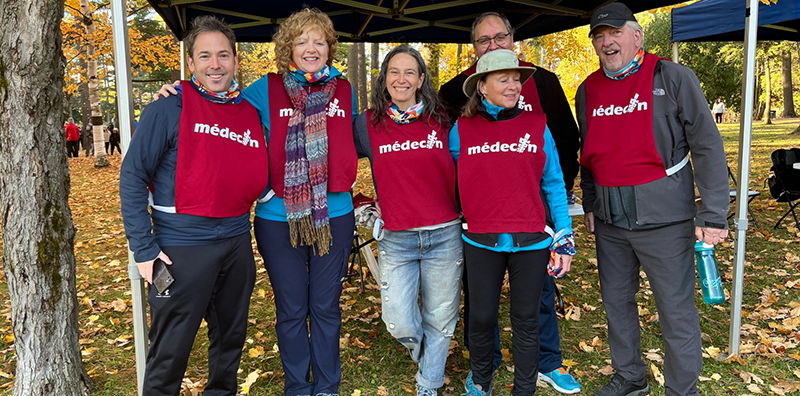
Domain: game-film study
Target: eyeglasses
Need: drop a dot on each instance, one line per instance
(499, 39)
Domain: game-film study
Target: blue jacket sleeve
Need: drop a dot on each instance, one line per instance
(157, 131)
(553, 186)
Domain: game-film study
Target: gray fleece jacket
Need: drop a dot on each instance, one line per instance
(681, 124)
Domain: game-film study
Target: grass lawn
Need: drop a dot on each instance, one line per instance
(375, 364)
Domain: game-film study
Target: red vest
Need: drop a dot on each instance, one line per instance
(619, 148)
(500, 168)
(342, 158)
(414, 173)
(222, 158)
(529, 96)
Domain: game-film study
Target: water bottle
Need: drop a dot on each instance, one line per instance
(710, 281)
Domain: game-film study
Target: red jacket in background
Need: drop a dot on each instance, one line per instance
(73, 133)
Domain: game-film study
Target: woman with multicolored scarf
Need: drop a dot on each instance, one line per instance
(404, 135)
(304, 226)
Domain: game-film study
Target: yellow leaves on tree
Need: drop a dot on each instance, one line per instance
(570, 55)
(147, 51)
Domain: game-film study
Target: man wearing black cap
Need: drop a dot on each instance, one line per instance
(640, 116)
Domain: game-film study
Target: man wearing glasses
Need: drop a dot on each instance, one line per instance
(542, 94)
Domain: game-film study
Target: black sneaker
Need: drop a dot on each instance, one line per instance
(619, 386)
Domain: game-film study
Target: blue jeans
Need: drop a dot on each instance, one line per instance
(426, 264)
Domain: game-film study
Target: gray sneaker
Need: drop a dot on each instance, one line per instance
(619, 386)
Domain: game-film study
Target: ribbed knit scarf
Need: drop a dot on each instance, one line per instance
(306, 169)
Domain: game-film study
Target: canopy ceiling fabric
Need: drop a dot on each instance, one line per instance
(424, 21)
(724, 20)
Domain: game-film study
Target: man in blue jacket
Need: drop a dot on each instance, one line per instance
(200, 160)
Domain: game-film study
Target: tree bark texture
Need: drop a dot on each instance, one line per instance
(362, 75)
(352, 71)
(788, 94)
(767, 93)
(38, 233)
(375, 64)
(100, 158)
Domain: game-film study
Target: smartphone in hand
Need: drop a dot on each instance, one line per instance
(162, 276)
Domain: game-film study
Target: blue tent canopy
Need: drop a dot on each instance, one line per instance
(724, 20)
(425, 21)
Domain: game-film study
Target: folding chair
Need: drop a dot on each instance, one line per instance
(751, 195)
(365, 215)
(784, 180)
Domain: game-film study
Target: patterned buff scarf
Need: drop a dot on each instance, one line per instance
(306, 169)
(631, 68)
(217, 97)
(404, 117)
(311, 77)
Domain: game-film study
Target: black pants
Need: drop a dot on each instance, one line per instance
(115, 144)
(718, 116)
(72, 148)
(212, 282)
(526, 273)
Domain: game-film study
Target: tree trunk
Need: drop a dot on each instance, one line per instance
(788, 94)
(459, 50)
(352, 70)
(433, 64)
(758, 111)
(362, 77)
(375, 65)
(100, 159)
(767, 94)
(37, 229)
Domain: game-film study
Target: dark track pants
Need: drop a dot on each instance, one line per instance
(526, 274)
(666, 256)
(307, 289)
(549, 340)
(212, 282)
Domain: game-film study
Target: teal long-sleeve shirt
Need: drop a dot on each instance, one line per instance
(552, 184)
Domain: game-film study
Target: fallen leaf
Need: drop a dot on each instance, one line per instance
(249, 381)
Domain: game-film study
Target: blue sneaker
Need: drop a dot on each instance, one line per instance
(473, 389)
(571, 198)
(561, 381)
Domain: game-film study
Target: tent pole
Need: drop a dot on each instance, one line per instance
(122, 70)
(675, 53)
(745, 134)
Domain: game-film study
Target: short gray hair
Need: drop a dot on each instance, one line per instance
(485, 15)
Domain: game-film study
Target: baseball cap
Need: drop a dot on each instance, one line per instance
(614, 15)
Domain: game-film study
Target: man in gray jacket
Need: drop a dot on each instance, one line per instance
(640, 116)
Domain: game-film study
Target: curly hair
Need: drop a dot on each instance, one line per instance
(292, 27)
(426, 94)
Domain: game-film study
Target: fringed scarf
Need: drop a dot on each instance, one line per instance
(306, 169)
